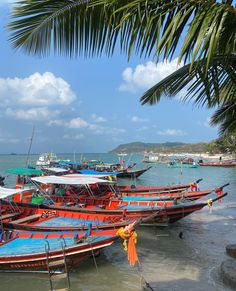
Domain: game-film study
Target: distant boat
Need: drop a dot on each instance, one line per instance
(47, 159)
(130, 173)
(181, 165)
(221, 163)
(151, 157)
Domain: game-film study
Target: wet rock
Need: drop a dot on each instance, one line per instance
(231, 250)
(228, 272)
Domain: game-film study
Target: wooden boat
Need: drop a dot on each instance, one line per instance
(25, 251)
(118, 169)
(131, 210)
(138, 196)
(160, 189)
(29, 216)
(187, 195)
(143, 196)
(127, 172)
(117, 210)
(111, 194)
(163, 213)
(228, 163)
(23, 176)
(131, 173)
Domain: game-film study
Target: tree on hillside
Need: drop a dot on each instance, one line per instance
(225, 144)
(202, 31)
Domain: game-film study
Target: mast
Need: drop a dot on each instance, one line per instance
(30, 145)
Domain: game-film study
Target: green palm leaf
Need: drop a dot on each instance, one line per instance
(225, 116)
(150, 28)
(204, 33)
(215, 87)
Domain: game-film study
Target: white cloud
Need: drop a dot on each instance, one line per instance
(77, 123)
(35, 90)
(171, 132)
(35, 114)
(139, 119)
(145, 76)
(98, 119)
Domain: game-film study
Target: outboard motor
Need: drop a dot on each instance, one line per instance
(2, 181)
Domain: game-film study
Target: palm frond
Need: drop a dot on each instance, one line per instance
(212, 87)
(149, 28)
(225, 116)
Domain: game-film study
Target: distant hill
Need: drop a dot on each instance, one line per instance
(137, 147)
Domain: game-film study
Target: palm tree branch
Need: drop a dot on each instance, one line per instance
(151, 27)
(202, 87)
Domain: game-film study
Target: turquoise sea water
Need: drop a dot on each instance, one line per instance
(167, 262)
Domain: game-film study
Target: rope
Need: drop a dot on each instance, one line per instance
(94, 259)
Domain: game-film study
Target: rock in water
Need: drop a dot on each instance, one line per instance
(228, 272)
(231, 250)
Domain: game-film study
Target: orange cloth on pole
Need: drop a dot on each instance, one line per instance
(130, 239)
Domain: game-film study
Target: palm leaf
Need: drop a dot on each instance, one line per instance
(149, 28)
(204, 87)
(215, 87)
(225, 116)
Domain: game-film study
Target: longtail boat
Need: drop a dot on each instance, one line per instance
(160, 189)
(72, 196)
(25, 251)
(187, 195)
(229, 164)
(29, 216)
(132, 210)
(132, 173)
(162, 213)
(103, 188)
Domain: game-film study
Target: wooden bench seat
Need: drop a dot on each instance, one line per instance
(27, 219)
(9, 215)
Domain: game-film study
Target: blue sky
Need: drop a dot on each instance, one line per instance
(87, 105)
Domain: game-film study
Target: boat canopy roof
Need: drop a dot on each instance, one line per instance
(97, 173)
(55, 169)
(72, 179)
(70, 163)
(6, 192)
(25, 171)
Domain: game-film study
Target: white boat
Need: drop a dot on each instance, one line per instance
(47, 159)
(151, 157)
